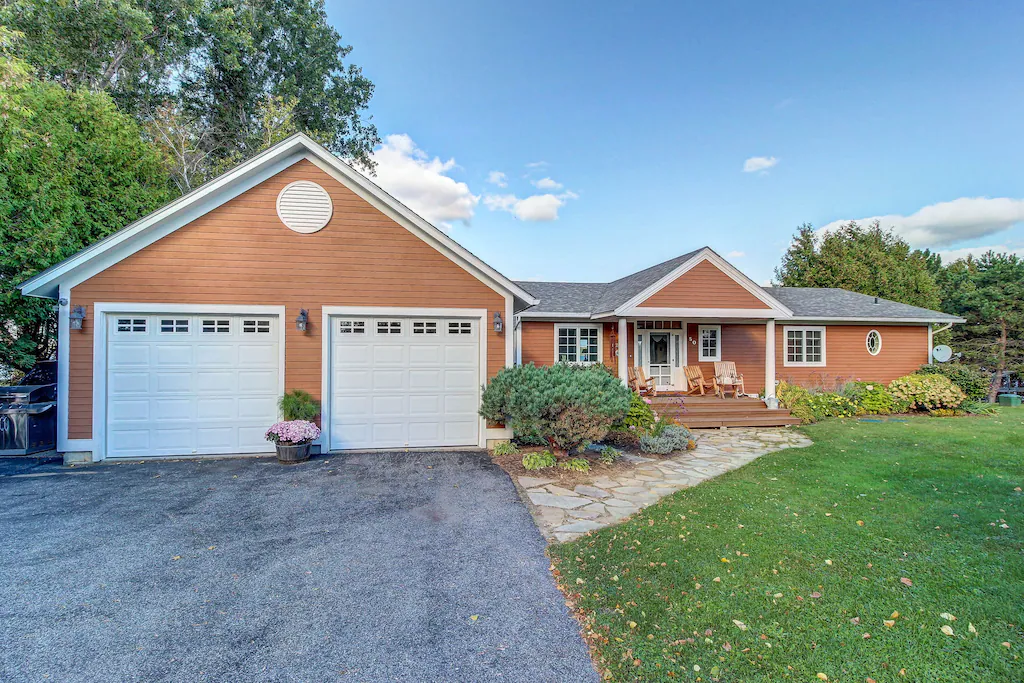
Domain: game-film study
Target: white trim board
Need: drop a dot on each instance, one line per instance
(99, 351)
(328, 312)
(197, 203)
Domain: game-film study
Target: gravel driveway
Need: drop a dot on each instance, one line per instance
(369, 567)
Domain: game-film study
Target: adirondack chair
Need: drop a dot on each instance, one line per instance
(729, 379)
(695, 381)
(640, 383)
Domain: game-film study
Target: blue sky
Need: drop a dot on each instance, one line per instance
(642, 117)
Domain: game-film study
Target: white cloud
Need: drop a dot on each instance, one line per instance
(536, 164)
(547, 184)
(538, 207)
(951, 255)
(736, 254)
(755, 164)
(422, 183)
(497, 178)
(946, 223)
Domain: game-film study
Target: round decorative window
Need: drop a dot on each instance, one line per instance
(874, 342)
(304, 206)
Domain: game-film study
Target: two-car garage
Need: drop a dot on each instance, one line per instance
(208, 383)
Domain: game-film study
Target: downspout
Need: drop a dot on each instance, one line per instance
(517, 340)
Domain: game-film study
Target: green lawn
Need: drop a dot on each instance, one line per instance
(808, 549)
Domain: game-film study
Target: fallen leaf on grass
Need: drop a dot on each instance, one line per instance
(632, 624)
(894, 615)
(947, 629)
(1005, 644)
(823, 677)
(889, 623)
(828, 562)
(474, 617)
(860, 522)
(717, 579)
(855, 621)
(905, 581)
(971, 629)
(739, 624)
(815, 594)
(947, 616)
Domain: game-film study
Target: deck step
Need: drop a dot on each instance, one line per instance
(767, 420)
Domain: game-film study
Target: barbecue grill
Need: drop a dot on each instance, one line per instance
(28, 413)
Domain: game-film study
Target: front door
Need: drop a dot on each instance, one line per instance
(659, 346)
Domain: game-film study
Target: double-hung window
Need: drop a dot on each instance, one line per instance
(577, 344)
(805, 346)
(710, 342)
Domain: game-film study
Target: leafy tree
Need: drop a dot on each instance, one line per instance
(73, 169)
(989, 293)
(869, 260)
(205, 76)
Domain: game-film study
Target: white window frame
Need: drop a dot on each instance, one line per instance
(803, 349)
(578, 327)
(700, 343)
(867, 342)
(175, 324)
(216, 326)
(132, 323)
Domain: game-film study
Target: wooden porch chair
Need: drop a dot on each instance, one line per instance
(695, 381)
(728, 378)
(640, 383)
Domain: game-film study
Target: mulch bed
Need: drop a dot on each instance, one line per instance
(513, 464)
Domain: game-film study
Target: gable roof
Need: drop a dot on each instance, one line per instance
(833, 303)
(182, 211)
(595, 299)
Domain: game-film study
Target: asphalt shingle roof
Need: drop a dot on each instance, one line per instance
(587, 298)
(840, 303)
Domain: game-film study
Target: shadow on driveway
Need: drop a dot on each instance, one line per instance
(366, 567)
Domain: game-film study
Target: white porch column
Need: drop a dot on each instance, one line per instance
(769, 364)
(931, 333)
(623, 350)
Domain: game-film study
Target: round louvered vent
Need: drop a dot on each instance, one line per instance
(304, 206)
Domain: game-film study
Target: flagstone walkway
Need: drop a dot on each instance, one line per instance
(564, 514)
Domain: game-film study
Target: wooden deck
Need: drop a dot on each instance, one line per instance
(709, 412)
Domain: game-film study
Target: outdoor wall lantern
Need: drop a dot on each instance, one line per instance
(77, 317)
(497, 322)
(302, 321)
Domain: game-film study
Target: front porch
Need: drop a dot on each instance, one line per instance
(710, 412)
(673, 353)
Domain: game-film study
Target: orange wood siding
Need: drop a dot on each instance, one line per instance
(742, 344)
(904, 350)
(538, 342)
(241, 253)
(703, 286)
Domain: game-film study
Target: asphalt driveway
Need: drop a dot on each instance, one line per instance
(370, 567)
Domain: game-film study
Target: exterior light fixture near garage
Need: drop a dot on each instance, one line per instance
(497, 322)
(302, 321)
(77, 317)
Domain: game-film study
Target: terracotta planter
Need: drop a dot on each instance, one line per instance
(292, 453)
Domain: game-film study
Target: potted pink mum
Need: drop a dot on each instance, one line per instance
(293, 438)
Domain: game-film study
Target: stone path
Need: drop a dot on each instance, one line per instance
(564, 514)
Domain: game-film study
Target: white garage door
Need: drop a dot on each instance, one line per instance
(404, 382)
(190, 384)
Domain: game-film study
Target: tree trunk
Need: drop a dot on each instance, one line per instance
(997, 378)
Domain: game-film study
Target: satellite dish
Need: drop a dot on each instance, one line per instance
(942, 353)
